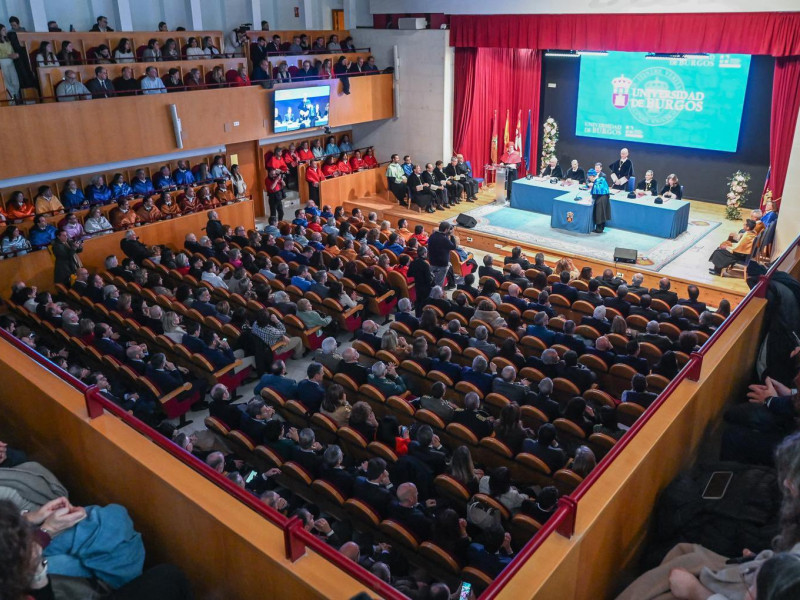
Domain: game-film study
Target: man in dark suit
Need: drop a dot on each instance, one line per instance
(191, 339)
(462, 308)
(652, 336)
(258, 51)
(488, 270)
(546, 447)
(494, 554)
(618, 302)
(368, 335)
(305, 453)
(598, 320)
(405, 316)
(372, 488)
(350, 367)
(632, 358)
(636, 285)
(603, 349)
(456, 333)
(638, 393)
(692, 301)
(163, 374)
(100, 86)
(333, 472)
(513, 298)
(608, 280)
(408, 512)
(676, 318)
(105, 342)
(473, 418)
(310, 392)
(477, 375)
(517, 276)
(517, 258)
(202, 302)
(592, 296)
(420, 270)
(644, 308)
(567, 338)
(577, 373)
(539, 264)
(429, 450)
(549, 363)
(539, 329)
(664, 293)
(563, 288)
(134, 358)
(505, 385)
(442, 364)
(133, 248)
(319, 286)
(214, 229)
(540, 396)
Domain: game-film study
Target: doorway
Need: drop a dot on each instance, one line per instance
(337, 19)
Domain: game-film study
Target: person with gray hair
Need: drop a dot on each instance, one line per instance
(598, 320)
(306, 453)
(327, 355)
(477, 375)
(505, 385)
(385, 378)
(568, 338)
(457, 333)
(636, 285)
(481, 342)
(539, 328)
(473, 418)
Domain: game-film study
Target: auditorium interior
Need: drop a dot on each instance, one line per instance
(378, 299)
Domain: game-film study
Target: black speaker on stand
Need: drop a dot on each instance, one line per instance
(464, 220)
(625, 255)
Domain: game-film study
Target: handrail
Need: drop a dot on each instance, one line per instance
(291, 527)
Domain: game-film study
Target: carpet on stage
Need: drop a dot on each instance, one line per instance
(534, 228)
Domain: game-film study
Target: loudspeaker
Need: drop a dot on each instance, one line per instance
(625, 255)
(464, 220)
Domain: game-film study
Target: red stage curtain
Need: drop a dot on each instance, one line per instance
(775, 34)
(490, 79)
(785, 105)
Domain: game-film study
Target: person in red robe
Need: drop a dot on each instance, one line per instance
(304, 153)
(343, 166)
(314, 177)
(511, 159)
(356, 162)
(277, 162)
(18, 207)
(329, 169)
(370, 162)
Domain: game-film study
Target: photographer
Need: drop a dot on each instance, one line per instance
(276, 193)
(67, 261)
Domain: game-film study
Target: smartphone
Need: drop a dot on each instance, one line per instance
(717, 485)
(403, 430)
(251, 476)
(466, 588)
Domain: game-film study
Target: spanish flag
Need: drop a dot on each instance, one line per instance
(493, 147)
(518, 133)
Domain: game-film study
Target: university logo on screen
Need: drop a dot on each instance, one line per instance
(655, 96)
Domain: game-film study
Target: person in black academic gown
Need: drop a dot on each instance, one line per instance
(442, 200)
(648, 185)
(421, 194)
(672, 189)
(600, 195)
(553, 169)
(575, 173)
(621, 171)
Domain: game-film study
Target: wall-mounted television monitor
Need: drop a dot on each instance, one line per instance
(301, 108)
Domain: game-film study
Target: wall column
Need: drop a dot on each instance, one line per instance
(39, 15)
(125, 15)
(195, 15)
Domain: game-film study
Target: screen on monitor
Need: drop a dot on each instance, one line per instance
(687, 102)
(301, 108)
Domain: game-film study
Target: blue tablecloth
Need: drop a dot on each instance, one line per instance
(641, 215)
(572, 216)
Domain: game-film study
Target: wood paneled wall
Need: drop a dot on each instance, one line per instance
(339, 190)
(58, 136)
(37, 268)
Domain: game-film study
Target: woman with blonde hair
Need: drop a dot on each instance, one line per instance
(566, 264)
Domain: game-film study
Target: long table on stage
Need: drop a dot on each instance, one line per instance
(640, 215)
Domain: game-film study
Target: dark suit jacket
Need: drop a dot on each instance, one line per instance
(491, 564)
(342, 479)
(667, 296)
(452, 370)
(648, 313)
(437, 461)
(513, 391)
(570, 342)
(661, 342)
(97, 89)
(476, 421)
(214, 229)
(378, 497)
(602, 326)
(580, 376)
(307, 459)
(134, 249)
(636, 362)
(354, 370)
(555, 458)
(192, 343)
(310, 394)
(483, 381)
(698, 306)
(643, 399)
(407, 319)
(570, 293)
(460, 339)
(108, 346)
(544, 403)
(491, 272)
(623, 306)
(414, 518)
(593, 299)
(369, 338)
(164, 380)
(612, 283)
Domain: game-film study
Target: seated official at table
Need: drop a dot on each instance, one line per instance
(647, 186)
(575, 173)
(728, 254)
(621, 170)
(553, 169)
(672, 188)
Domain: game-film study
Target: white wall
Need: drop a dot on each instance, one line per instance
(500, 7)
(16, 8)
(788, 226)
(146, 14)
(423, 125)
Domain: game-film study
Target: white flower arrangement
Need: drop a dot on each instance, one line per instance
(738, 190)
(549, 140)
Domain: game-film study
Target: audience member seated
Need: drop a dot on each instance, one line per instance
(598, 320)
(546, 447)
(638, 393)
(663, 292)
